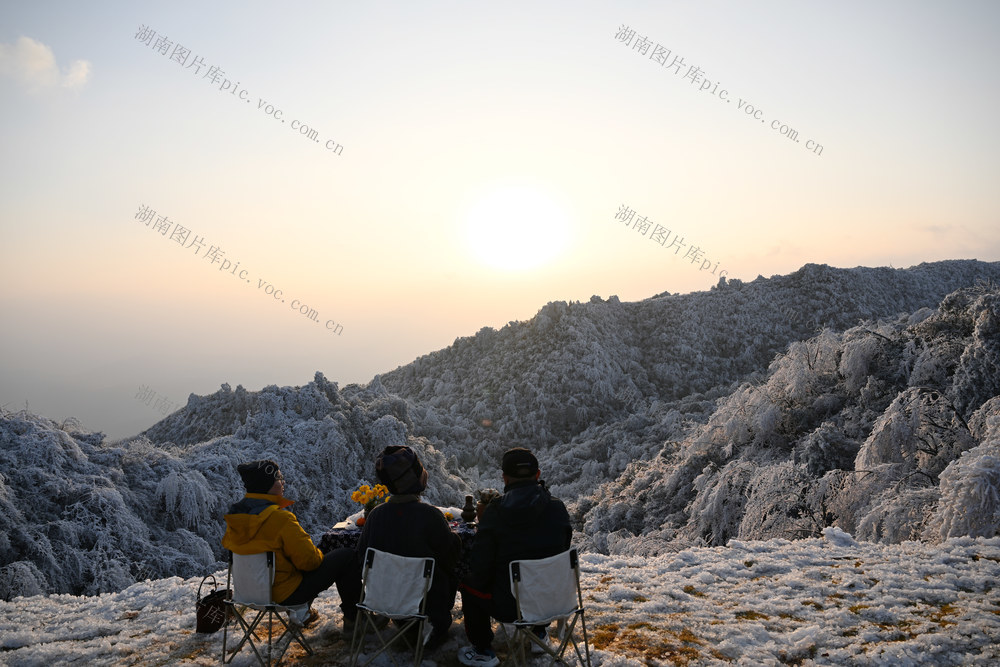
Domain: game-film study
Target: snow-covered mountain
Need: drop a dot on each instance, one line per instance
(83, 516)
(596, 386)
(889, 431)
(753, 410)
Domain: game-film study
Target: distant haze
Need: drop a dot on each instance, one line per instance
(250, 193)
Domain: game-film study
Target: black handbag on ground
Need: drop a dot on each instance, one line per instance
(211, 610)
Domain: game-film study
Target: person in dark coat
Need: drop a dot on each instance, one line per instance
(405, 526)
(525, 523)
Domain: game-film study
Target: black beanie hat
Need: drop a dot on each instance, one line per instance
(519, 462)
(259, 476)
(400, 470)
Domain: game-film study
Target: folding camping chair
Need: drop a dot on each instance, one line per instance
(546, 590)
(251, 577)
(394, 587)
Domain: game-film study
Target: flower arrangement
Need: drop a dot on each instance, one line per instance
(370, 497)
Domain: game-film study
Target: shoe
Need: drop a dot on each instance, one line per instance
(541, 634)
(311, 620)
(302, 615)
(474, 658)
(298, 613)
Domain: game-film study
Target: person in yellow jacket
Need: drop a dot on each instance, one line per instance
(261, 521)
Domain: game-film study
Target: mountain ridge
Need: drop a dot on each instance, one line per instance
(601, 391)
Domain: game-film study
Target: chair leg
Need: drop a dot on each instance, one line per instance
(525, 637)
(420, 643)
(294, 634)
(249, 630)
(249, 639)
(386, 644)
(510, 641)
(586, 641)
(570, 639)
(516, 643)
(355, 644)
(366, 619)
(566, 640)
(270, 629)
(225, 630)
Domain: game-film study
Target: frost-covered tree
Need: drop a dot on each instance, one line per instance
(852, 429)
(970, 494)
(677, 420)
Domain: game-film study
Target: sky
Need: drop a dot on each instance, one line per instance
(248, 193)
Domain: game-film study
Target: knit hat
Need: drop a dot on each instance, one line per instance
(519, 462)
(259, 476)
(400, 470)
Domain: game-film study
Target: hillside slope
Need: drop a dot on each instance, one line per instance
(890, 431)
(594, 386)
(81, 515)
(652, 390)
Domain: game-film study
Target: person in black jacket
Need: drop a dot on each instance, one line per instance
(405, 526)
(525, 523)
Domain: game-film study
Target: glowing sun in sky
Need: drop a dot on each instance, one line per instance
(515, 228)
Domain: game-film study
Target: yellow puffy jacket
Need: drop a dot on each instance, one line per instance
(260, 522)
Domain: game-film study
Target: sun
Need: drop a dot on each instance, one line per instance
(515, 228)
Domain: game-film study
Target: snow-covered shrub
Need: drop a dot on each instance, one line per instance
(985, 422)
(920, 429)
(21, 578)
(933, 363)
(777, 504)
(808, 367)
(717, 510)
(387, 431)
(970, 494)
(896, 517)
(190, 549)
(856, 359)
(185, 498)
(825, 448)
(977, 377)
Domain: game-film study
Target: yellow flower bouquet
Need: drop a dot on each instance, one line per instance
(370, 497)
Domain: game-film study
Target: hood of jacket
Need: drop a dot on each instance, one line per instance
(247, 515)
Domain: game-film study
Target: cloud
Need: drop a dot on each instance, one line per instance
(33, 64)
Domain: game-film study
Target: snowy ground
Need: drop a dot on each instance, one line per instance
(824, 601)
